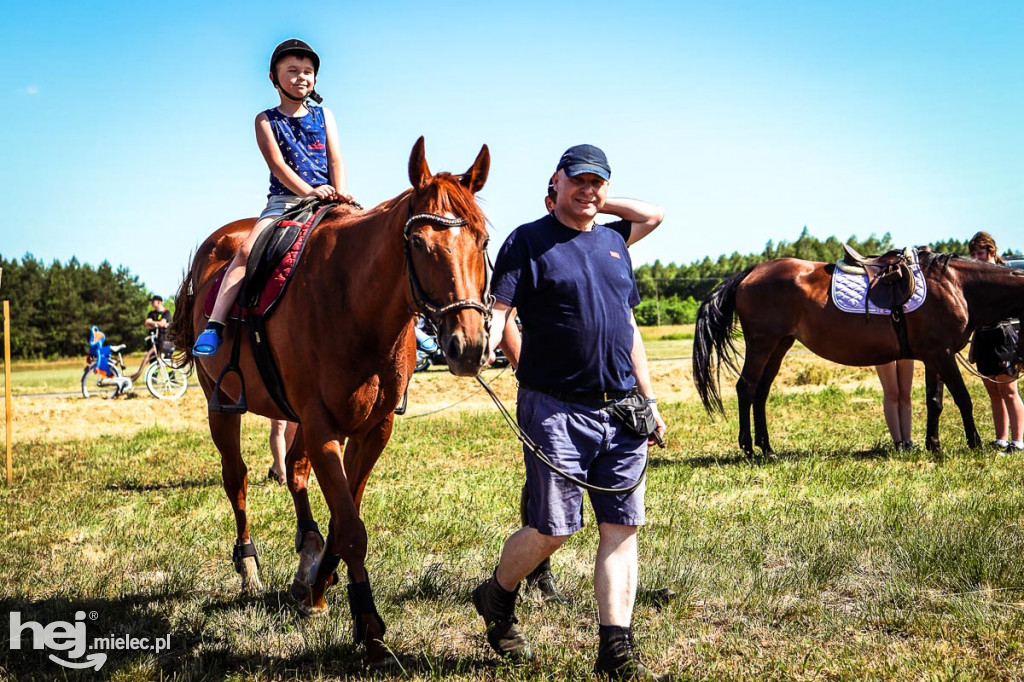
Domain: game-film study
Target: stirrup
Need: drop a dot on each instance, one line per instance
(240, 407)
(207, 344)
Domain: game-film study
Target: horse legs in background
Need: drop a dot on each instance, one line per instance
(946, 372)
(225, 430)
(748, 387)
(309, 543)
(933, 400)
(768, 374)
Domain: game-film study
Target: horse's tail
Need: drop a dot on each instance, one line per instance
(182, 330)
(714, 334)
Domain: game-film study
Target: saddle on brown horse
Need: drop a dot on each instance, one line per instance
(891, 269)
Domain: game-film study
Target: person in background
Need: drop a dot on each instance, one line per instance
(159, 320)
(282, 433)
(992, 349)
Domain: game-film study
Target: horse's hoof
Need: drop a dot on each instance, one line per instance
(250, 572)
(387, 664)
(309, 610)
(252, 587)
(379, 658)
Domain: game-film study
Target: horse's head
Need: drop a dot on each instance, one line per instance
(446, 250)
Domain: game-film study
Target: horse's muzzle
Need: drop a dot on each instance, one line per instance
(466, 353)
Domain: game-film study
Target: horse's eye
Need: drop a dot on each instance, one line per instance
(487, 242)
(417, 242)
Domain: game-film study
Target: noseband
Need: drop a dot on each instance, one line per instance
(432, 312)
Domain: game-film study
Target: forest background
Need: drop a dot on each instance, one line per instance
(53, 306)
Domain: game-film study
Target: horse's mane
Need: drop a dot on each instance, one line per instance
(930, 259)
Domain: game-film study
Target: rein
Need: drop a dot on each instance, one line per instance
(539, 454)
(431, 311)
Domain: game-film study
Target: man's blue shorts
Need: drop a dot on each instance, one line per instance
(588, 444)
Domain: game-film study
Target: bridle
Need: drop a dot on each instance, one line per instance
(431, 311)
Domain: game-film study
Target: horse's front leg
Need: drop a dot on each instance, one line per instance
(933, 401)
(225, 428)
(361, 454)
(342, 484)
(309, 543)
(324, 453)
(951, 376)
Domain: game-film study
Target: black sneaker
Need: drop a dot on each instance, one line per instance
(543, 580)
(1013, 449)
(497, 606)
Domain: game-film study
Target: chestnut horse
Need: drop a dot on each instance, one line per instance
(342, 336)
(787, 300)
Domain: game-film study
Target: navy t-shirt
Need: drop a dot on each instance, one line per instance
(574, 291)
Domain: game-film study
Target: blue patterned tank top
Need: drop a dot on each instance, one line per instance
(303, 143)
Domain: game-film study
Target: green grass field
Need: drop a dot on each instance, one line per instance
(837, 559)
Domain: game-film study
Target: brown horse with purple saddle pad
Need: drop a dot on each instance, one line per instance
(342, 337)
(787, 300)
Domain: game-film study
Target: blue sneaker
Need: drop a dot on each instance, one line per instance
(207, 343)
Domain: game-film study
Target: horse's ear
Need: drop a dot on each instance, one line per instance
(476, 176)
(419, 173)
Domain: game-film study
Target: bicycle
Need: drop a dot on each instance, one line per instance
(163, 380)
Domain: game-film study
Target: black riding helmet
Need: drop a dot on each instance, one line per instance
(294, 46)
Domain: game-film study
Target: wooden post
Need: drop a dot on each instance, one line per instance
(7, 383)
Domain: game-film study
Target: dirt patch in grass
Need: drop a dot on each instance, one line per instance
(430, 392)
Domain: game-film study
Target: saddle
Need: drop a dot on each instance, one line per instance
(271, 263)
(891, 270)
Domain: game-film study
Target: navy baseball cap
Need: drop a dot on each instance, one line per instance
(585, 158)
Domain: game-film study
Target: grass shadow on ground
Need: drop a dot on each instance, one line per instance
(183, 484)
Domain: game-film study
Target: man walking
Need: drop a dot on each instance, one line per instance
(572, 283)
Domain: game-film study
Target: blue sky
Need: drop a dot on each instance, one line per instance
(128, 131)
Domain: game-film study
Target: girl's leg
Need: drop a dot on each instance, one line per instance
(1013, 407)
(999, 416)
(890, 399)
(905, 381)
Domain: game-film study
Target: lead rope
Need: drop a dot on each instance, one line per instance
(539, 454)
(970, 370)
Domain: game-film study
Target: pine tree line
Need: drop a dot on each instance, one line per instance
(53, 306)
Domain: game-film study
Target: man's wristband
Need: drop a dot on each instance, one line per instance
(651, 401)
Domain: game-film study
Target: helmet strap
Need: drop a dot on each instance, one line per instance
(313, 94)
